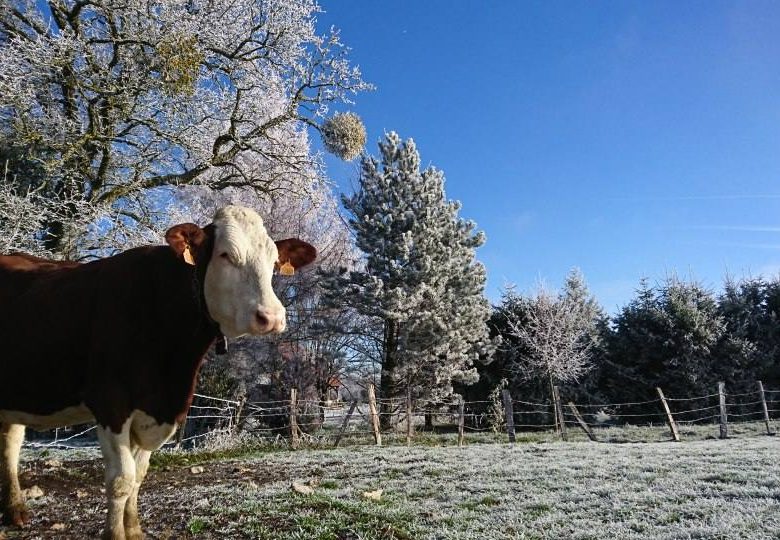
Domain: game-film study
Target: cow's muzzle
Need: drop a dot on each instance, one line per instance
(270, 321)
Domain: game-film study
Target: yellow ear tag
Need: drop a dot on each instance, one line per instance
(287, 269)
(188, 256)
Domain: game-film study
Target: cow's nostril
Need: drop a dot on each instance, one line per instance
(262, 319)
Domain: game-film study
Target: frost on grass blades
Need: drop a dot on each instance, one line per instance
(704, 489)
(240, 485)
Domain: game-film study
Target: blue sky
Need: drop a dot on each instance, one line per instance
(628, 139)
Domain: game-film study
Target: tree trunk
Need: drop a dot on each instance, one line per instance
(323, 404)
(554, 403)
(54, 232)
(323, 378)
(428, 421)
(386, 384)
(55, 229)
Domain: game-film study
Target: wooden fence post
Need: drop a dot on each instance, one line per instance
(724, 427)
(764, 407)
(409, 425)
(294, 439)
(581, 421)
(239, 425)
(669, 417)
(345, 423)
(180, 433)
(374, 414)
(461, 420)
(509, 415)
(559, 412)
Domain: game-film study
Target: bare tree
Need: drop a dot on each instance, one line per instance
(553, 332)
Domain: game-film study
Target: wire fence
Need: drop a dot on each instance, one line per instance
(214, 421)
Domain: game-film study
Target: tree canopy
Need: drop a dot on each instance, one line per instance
(105, 101)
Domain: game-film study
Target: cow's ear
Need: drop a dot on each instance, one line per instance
(294, 254)
(185, 239)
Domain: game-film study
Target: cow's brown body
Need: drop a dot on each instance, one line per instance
(120, 334)
(110, 340)
(120, 341)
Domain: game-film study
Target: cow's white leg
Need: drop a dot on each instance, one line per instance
(132, 523)
(120, 477)
(11, 499)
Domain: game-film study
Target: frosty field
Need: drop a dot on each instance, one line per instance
(700, 489)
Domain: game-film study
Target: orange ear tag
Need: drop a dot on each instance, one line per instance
(287, 269)
(188, 256)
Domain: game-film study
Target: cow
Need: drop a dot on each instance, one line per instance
(119, 341)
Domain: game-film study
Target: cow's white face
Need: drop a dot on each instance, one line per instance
(237, 287)
(237, 283)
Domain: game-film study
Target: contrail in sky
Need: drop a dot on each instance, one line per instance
(736, 245)
(698, 198)
(721, 197)
(737, 228)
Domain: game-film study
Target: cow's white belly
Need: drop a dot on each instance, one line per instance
(68, 416)
(147, 433)
(144, 430)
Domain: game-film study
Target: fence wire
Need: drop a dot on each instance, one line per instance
(213, 418)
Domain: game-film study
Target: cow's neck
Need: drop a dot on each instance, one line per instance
(190, 354)
(198, 279)
(200, 299)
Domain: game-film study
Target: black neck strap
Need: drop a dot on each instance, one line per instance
(221, 346)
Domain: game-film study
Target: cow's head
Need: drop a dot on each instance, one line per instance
(237, 283)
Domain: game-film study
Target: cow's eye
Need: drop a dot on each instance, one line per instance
(226, 257)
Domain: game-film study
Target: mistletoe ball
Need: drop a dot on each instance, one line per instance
(344, 135)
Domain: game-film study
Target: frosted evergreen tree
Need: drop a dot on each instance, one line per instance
(420, 278)
(666, 337)
(577, 295)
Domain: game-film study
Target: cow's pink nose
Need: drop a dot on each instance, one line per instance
(270, 321)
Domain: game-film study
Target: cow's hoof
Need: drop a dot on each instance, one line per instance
(17, 515)
(108, 535)
(134, 533)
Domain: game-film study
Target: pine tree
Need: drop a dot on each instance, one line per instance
(577, 295)
(748, 349)
(420, 278)
(665, 338)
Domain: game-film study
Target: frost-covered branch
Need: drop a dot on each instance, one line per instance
(110, 99)
(553, 334)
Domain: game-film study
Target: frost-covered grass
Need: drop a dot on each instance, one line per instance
(702, 489)
(539, 488)
(661, 432)
(245, 445)
(446, 435)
